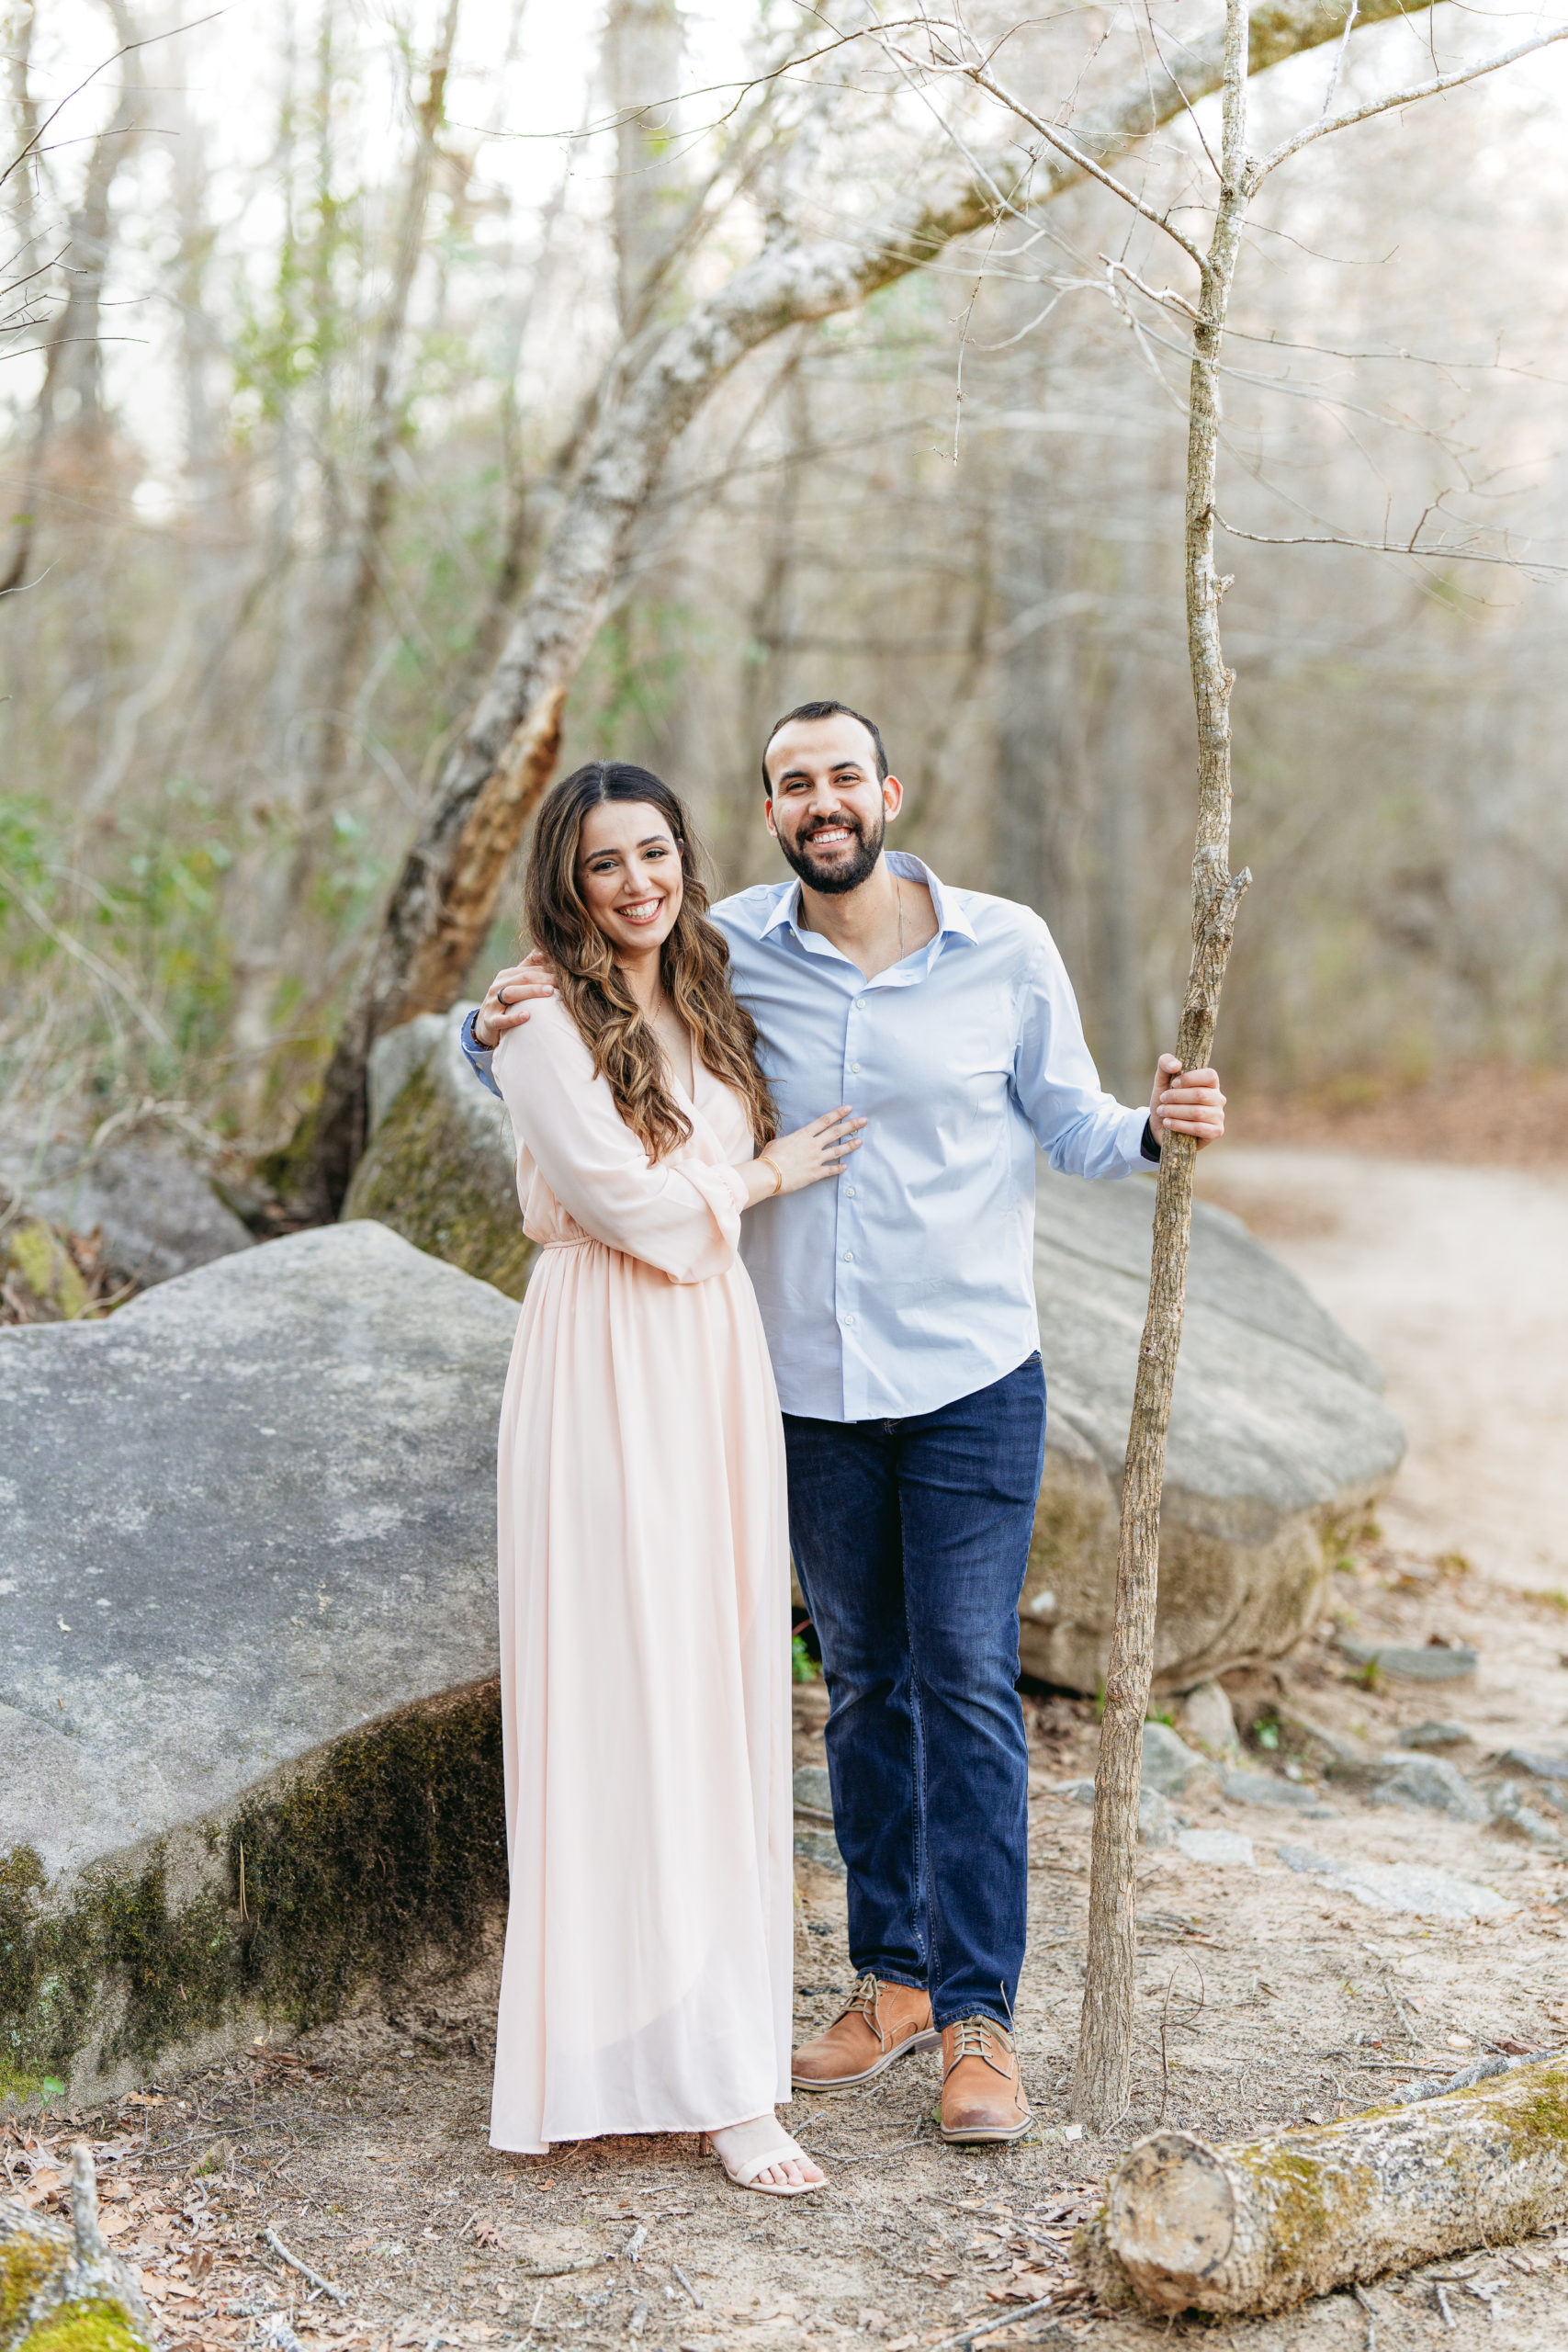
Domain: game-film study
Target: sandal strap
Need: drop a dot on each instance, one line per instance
(786, 2153)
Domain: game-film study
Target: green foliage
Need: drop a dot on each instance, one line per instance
(803, 1666)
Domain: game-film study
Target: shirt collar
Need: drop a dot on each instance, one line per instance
(950, 916)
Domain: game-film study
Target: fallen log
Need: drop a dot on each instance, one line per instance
(1253, 2228)
(61, 2289)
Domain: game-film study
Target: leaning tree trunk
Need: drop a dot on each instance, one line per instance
(1251, 2229)
(1102, 2076)
(443, 899)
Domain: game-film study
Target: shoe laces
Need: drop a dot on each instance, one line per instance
(866, 2001)
(976, 2039)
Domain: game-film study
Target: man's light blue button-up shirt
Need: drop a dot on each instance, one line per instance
(909, 1281)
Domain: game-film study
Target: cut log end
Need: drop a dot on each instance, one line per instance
(1254, 2228)
(1173, 2215)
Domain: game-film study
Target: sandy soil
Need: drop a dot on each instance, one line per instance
(1264, 1996)
(1456, 1280)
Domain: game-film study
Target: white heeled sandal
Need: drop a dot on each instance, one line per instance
(783, 2151)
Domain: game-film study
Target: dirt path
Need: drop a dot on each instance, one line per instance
(1456, 1279)
(1267, 1996)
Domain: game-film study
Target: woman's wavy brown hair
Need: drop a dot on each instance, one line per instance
(693, 961)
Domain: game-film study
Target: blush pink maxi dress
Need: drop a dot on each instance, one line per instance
(645, 1643)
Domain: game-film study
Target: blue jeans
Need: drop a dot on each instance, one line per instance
(910, 1540)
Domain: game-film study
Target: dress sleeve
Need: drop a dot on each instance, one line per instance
(681, 1217)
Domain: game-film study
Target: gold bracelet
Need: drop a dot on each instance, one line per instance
(778, 1174)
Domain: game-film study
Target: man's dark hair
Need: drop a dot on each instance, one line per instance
(825, 710)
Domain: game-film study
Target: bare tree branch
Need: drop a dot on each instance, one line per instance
(442, 902)
(1258, 172)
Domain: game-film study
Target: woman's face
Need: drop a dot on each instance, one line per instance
(628, 870)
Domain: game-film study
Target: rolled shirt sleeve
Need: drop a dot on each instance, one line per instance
(479, 1058)
(1082, 1130)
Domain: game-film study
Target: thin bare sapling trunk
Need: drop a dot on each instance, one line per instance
(1100, 2080)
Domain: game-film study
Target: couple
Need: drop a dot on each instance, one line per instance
(789, 1141)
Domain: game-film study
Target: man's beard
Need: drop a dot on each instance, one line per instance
(834, 880)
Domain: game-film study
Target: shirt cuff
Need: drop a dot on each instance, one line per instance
(479, 1058)
(1148, 1147)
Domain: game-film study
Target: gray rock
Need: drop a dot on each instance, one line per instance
(1343, 1758)
(1428, 1784)
(1436, 1662)
(1510, 1810)
(441, 1164)
(1285, 1796)
(1204, 1717)
(1226, 1849)
(1539, 1765)
(247, 1602)
(1433, 1736)
(1413, 1887)
(1169, 1765)
(1277, 1426)
(159, 1216)
(813, 1790)
(1159, 1823)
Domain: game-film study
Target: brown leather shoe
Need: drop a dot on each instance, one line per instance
(982, 2093)
(880, 2023)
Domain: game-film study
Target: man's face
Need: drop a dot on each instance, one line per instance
(829, 812)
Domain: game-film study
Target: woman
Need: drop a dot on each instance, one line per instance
(644, 1553)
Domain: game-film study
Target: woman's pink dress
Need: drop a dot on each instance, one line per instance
(644, 1628)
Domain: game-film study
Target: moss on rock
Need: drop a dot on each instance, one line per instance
(382, 1859)
(101, 2326)
(422, 1176)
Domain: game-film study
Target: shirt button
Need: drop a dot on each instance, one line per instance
(856, 1067)
(849, 1192)
(848, 1320)
(860, 1004)
(849, 1257)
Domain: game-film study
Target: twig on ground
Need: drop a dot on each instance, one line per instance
(1366, 2302)
(337, 2293)
(1441, 2293)
(968, 2336)
(685, 2282)
(566, 2269)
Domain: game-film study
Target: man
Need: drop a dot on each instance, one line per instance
(899, 1307)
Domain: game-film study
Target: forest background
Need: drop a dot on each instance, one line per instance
(315, 307)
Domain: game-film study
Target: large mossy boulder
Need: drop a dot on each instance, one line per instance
(440, 1166)
(250, 1737)
(1278, 1433)
(1279, 1439)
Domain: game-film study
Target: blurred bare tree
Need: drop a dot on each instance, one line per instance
(422, 455)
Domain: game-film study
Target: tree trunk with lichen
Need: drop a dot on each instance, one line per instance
(1254, 2228)
(1102, 2076)
(61, 2286)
